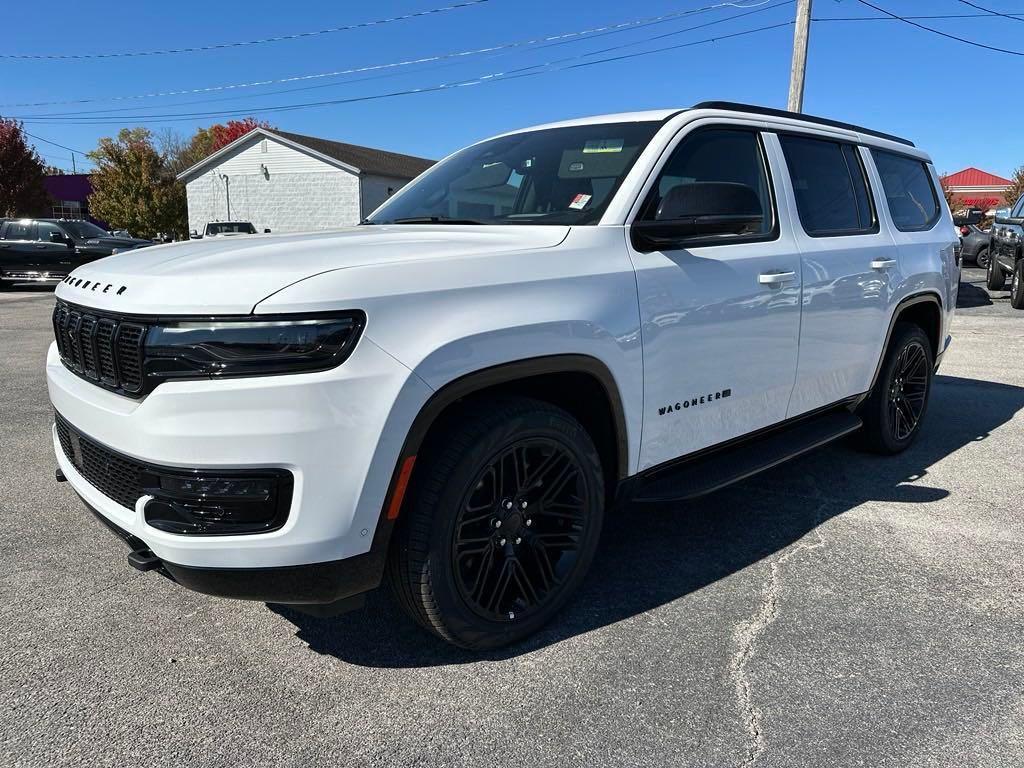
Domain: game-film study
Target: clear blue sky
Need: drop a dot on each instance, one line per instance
(885, 74)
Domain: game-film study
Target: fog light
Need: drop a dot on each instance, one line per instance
(228, 502)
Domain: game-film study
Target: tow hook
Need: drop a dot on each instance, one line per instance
(143, 560)
(60, 476)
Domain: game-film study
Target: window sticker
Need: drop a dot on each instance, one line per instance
(599, 146)
(580, 202)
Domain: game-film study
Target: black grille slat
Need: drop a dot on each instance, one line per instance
(104, 349)
(116, 477)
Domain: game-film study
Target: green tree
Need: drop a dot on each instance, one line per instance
(1016, 189)
(134, 188)
(21, 174)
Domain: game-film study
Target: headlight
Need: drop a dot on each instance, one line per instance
(217, 348)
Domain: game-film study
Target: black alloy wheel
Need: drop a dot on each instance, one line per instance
(895, 407)
(518, 533)
(908, 390)
(501, 521)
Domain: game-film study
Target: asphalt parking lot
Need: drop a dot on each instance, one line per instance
(844, 610)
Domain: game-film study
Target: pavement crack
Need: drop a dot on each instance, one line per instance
(747, 634)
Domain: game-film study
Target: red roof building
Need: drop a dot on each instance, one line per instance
(974, 187)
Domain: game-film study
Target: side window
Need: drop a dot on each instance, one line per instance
(830, 187)
(909, 191)
(44, 230)
(717, 181)
(19, 230)
(1018, 209)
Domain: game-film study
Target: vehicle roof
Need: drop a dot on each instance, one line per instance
(660, 115)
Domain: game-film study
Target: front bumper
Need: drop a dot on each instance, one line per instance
(339, 433)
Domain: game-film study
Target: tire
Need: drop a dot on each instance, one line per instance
(996, 278)
(1017, 285)
(981, 260)
(896, 407)
(484, 554)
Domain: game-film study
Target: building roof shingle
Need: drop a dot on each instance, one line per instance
(366, 159)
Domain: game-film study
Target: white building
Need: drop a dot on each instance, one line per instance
(286, 182)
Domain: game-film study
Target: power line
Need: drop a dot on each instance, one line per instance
(242, 43)
(1013, 16)
(481, 80)
(560, 39)
(940, 32)
(54, 143)
(934, 16)
(52, 119)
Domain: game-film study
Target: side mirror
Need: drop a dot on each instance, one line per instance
(57, 237)
(194, 235)
(698, 210)
(266, 231)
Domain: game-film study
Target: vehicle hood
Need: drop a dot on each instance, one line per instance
(108, 244)
(231, 275)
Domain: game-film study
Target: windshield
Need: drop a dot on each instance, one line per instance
(553, 176)
(243, 227)
(81, 230)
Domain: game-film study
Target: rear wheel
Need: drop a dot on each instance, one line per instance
(502, 525)
(982, 258)
(896, 406)
(996, 278)
(1017, 286)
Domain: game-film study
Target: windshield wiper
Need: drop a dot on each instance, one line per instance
(433, 220)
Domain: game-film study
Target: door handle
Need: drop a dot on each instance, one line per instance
(776, 278)
(883, 263)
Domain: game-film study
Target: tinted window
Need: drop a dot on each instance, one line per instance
(718, 156)
(550, 176)
(828, 182)
(18, 230)
(45, 229)
(909, 192)
(1018, 209)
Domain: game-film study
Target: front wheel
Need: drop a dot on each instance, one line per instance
(896, 406)
(995, 278)
(1017, 286)
(502, 525)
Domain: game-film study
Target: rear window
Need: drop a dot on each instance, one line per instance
(909, 192)
(830, 188)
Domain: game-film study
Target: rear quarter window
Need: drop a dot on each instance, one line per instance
(909, 192)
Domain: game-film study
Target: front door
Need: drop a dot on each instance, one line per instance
(51, 251)
(720, 313)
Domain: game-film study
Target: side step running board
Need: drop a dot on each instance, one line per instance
(717, 469)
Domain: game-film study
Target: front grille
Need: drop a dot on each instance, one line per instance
(104, 349)
(116, 477)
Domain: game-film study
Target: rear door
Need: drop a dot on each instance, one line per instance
(848, 263)
(720, 314)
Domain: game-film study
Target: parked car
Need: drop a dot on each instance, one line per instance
(46, 250)
(1006, 253)
(974, 245)
(226, 229)
(544, 325)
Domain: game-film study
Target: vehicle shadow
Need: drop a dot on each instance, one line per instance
(652, 557)
(971, 295)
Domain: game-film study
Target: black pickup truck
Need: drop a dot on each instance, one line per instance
(46, 250)
(1006, 253)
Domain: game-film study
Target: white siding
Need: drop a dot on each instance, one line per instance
(296, 192)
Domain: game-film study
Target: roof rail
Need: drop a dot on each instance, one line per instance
(733, 106)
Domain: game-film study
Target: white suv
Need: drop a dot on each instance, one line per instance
(633, 308)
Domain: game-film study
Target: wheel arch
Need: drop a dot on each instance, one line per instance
(924, 310)
(570, 381)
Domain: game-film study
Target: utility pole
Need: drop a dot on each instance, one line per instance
(801, 32)
(73, 169)
(227, 192)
